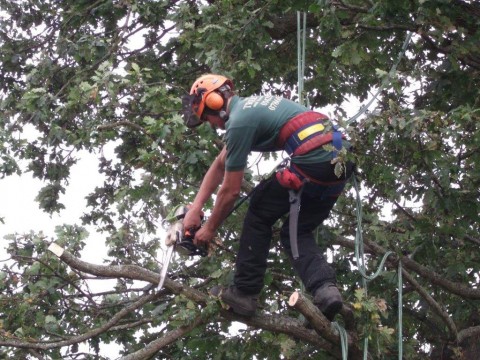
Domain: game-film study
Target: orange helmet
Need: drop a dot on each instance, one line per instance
(207, 92)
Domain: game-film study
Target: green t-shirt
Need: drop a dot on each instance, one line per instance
(254, 124)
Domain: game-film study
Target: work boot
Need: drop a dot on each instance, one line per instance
(328, 299)
(240, 302)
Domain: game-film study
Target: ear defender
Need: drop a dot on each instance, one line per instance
(214, 101)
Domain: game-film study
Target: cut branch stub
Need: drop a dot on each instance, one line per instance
(314, 316)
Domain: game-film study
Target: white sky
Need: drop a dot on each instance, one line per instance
(21, 213)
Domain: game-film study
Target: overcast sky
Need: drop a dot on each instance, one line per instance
(21, 213)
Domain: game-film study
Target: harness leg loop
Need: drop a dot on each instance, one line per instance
(294, 197)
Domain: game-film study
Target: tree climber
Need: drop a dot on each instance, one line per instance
(268, 123)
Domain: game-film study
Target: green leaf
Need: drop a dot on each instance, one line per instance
(216, 274)
(135, 67)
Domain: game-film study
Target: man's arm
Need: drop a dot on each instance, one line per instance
(226, 196)
(210, 182)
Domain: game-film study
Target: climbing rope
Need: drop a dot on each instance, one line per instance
(359, 248)
(400, 311)
(386, 81)
(359, 255)
(301, 41)
(343, 338)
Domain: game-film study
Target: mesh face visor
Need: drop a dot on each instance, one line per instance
(190, 104)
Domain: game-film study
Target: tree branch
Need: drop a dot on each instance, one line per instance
(467, 333)
(122, 123)
(448, 50)
(314, 316)
(88, 335)
(288, 326)
(282, 324)
(453, 287)
(472, 239)
(132, 272)
(153, 347)
(434, 305)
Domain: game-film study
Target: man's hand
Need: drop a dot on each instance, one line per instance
(192, 219)
(204, 236)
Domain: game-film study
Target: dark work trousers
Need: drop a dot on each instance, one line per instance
(269, 202)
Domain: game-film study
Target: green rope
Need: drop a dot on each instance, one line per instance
(400, 312)
(301, 41)
(359, 250)
(343, 339)
(385, 81)
(359, 255)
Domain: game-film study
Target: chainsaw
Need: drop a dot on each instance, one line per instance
(179, 239)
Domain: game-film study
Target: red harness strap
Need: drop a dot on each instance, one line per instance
(298, 171)
(304, 133)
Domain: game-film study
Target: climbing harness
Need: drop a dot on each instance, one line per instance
(300, 135)
(303, 133)
(306, 132)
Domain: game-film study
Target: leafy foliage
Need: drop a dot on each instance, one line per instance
(86, 76)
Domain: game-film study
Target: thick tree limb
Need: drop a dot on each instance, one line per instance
(286, 325)
(132, 272)
(274, 323)
(453, 287)
(320, 323)
(467, 333)
(472, 239)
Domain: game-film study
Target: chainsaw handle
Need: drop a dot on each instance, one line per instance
(194, 222)
(190, 233)
(187, 247)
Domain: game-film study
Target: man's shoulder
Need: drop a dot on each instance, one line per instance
(265, 104)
